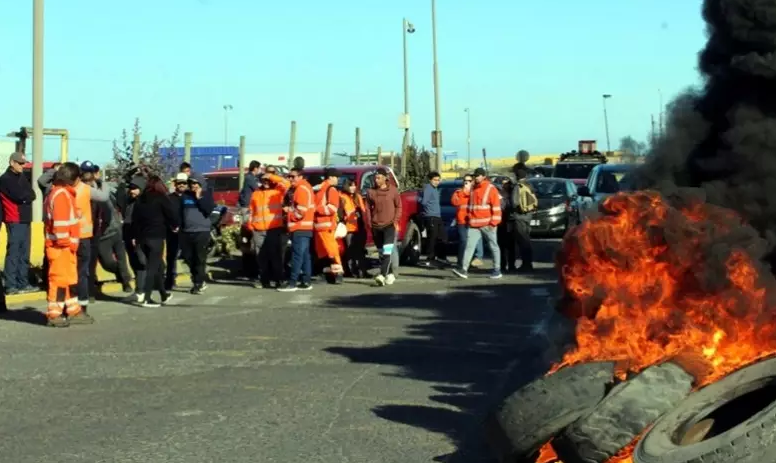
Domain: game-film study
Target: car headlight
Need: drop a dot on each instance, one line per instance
(559, 209)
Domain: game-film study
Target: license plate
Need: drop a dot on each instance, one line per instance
(534, 223)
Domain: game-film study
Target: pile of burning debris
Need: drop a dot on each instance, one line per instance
(674, 305)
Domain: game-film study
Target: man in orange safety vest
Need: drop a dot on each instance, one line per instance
(268, 227)
(327, 206)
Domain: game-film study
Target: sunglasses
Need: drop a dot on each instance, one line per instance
(467, 181)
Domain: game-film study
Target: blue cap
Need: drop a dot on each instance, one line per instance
(87, 166)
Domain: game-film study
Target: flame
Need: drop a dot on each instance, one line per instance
(648, 281)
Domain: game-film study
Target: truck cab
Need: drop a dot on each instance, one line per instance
(576, 165)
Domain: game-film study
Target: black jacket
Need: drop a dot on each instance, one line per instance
(16, 195)
(152, 216)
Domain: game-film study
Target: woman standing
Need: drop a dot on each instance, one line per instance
(152, 217)
(353, 210)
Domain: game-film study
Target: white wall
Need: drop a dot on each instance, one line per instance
(310, 159)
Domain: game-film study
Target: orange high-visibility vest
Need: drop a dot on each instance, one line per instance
(352, 206)
(266, 206)
(301, 217)
(83, 201)
(460, 200)
(484, 206)
(61, 222)
(327, 201)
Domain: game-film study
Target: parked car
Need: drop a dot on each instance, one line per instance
(559, 206)
(446, 190)
(604, 181)
(545, 171)
(410, 238)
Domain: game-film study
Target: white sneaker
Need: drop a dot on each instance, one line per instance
(167, 300)
(380, 280)
(140, 298)
(390, 279)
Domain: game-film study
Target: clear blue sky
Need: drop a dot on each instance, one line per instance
(532, 72)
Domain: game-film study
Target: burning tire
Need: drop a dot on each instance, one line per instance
(623, 414)
(729, 421)
(534, 414)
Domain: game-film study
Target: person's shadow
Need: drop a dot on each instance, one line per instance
(29, 315)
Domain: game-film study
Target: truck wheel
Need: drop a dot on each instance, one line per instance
(628, 409)
(411, 245)
(730, 421)
(534, 414)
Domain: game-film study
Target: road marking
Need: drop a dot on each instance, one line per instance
(214, 300)
(302, 300)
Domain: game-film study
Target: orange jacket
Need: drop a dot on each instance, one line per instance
(266, 206)
(484, 205)
(301, 217)
(327, 200)
(353, 206)
(61, 222)
(460, 200)
(83, 201)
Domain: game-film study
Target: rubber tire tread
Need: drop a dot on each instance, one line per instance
(535, 413)
(628, 409)
(755, 442)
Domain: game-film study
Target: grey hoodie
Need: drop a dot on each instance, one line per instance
(196, 212)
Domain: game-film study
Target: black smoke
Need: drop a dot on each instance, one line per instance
(721, 138)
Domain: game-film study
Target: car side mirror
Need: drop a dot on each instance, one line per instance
(583, 191)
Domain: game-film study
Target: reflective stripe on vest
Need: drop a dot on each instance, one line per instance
(293, 225)
(54, 234)
(482, 206)
(83, 199)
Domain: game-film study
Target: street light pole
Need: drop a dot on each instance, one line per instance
(606, 124)
(37, 105)
(406, 28)
(227, 108)
(468, 138)
(436, 89)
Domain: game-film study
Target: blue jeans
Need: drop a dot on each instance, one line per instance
(301, 261)
(479, 252)
(17, 256)
(475, 236)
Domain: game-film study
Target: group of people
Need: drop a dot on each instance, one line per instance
(87, 220)
(498, 215)
(314, 220)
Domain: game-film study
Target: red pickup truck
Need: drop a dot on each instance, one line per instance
(409, 236)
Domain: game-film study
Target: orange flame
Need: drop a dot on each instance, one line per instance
(648, 281)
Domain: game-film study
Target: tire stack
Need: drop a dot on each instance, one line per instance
(589, 417)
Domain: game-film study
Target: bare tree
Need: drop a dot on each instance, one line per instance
(150, 153)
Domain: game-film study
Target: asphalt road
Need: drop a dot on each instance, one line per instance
(349, 373)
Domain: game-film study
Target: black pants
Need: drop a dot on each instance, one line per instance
(194, 249)
(355, 253)
(84, 259)
(269, 255)
(93, 256)
(385, 240)
(507, 244)
(173, 249)
(153, 248)
(436, 237)
(137, 259)
(522, 234)
(113, 257)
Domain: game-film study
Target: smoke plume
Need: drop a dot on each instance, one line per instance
(721, 138)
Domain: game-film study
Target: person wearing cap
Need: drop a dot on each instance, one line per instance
(522, 205)
(327, 208)
(137, 260)
(431, 212)
(265, 220)
(250, 185)
(484, 217)
(17, 196)
(196, 206)
(300, 215)
(172, 243)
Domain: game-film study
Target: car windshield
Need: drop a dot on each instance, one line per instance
(612, 181)
(576, 170)
(317, 179)
(548, 188)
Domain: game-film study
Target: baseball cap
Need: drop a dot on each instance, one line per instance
(19, 157)
(181, 178)
(479, 171)
(87, 166)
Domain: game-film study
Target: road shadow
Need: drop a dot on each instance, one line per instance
(477, 344)
(29, 315)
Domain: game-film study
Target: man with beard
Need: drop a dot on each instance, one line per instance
(300, 215)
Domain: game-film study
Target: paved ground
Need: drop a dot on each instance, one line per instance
(350, 373)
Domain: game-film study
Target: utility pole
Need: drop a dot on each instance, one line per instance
(606, 96)
(468, 138)
(241, 163)
(358, 146)
(187, 147)
(292, 145)
(327, 153)
(227, 108)
(136, 149)
(660, 114)
(37, 106)
(437, 124)
(653, 135)
(406, 28)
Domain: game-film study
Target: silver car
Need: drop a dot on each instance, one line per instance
(604, 181)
